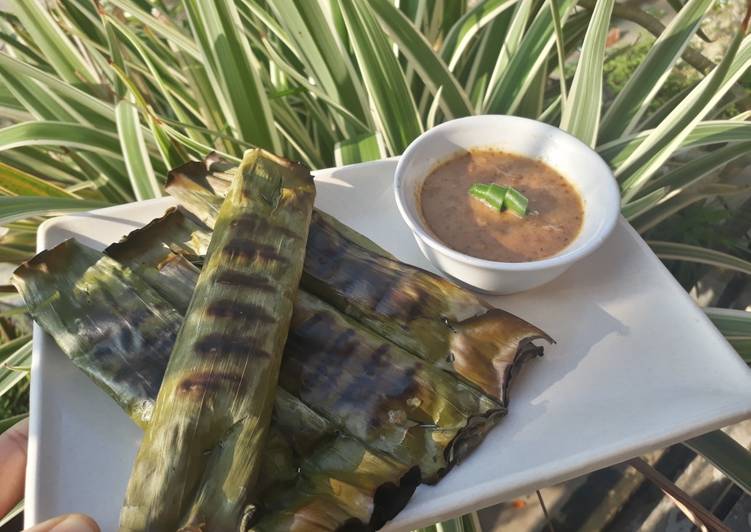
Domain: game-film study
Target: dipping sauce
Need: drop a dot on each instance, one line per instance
(554, 213)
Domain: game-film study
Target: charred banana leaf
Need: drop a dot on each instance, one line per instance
(324, 480)
(112, 324)
(163, 253)
(343, 486)
(368, 487)
(385, 397)
(423, 313)
(120, 333)
(440, 322)
(308, 460)
(342, 482)
(200, 187)
(200, 457)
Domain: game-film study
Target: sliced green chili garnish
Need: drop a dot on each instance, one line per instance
(498, 197)
(490, 194)
(516, 202)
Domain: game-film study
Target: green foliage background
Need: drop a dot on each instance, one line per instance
(98, 99)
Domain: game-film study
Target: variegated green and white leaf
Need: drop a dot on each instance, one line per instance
(19, 207)
(698, 254)
(693, 171)
(17, 182)
(673, 204)
(359, 149)
(726, 454)
(323, 54)
(581, 110)
(659, 145)
(512, 39)
(643, 204)
(230, 65)
(21, 357)
(464, 30)
(705, 133)
(634, 99)
(394, 108)
(434, 73)
(54, 43)
(508, 91)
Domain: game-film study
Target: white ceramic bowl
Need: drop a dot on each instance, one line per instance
(573, 159)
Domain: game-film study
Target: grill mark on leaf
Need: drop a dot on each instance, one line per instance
(219, 344)
(251, 250)
(197, 383)
(360, 388)
(343, 346)
(375, 284)
(375, 360)
(325, 262)
(403, 304)
(227, 308)
(309, 344)
(252, 224)
(307, 326)
(244, 280)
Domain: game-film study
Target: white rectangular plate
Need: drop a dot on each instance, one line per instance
(637, 366)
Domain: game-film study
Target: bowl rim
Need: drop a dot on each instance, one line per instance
(572, 254)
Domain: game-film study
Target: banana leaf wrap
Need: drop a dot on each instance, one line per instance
(162, 248)
(442, 323)
(119, 331)
(343, 486)
(305, 456)
(447, 325)
(111, 323)
(199, 460)
(323, 478)
(382, 484)
(341, 483)
(387, 398)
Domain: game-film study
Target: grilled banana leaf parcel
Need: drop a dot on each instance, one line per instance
(201, 454)
(322, 477)
(382, 389)
(119, 332)
(342, 480)
(110, 322)
(388, 398)
(306, 462)
(423, 313)
(343, 486)
(442, 323)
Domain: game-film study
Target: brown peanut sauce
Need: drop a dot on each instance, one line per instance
(554, 213)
